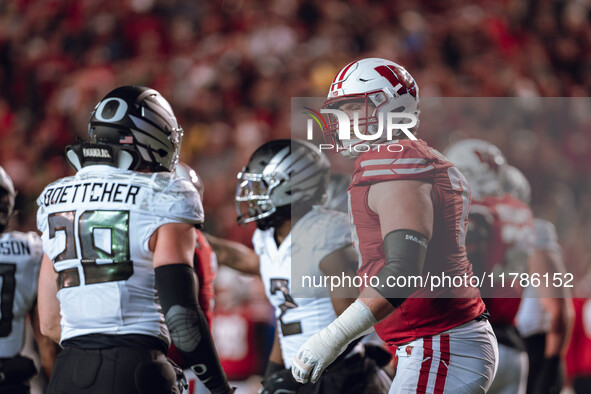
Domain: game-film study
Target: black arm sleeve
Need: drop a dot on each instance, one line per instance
(188, 326)
(405, 252)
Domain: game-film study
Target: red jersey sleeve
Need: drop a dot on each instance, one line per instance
(403, 160)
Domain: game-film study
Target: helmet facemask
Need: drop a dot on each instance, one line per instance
(176, 137)
(370, 119)
(283, 180)
(253, 196)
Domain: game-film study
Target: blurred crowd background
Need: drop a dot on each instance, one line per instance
(230, 68)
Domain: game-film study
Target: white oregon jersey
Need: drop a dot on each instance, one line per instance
(20, 261)
(319, 233)
(96, 228)
(532, 318)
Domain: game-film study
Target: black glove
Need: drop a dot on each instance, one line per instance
(378, 354)
(281, 381)
(17, 369)
(549, 379)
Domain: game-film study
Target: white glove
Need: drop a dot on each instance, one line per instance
(314, 356)
(322, 348)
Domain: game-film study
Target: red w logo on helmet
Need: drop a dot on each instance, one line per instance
(402, 81)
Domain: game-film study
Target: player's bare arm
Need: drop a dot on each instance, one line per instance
(401, 205)
(48, 349)
(275, 361)
(173, 243)
(275, 355)
(404, 208)
(235, 255)
(48, 304)
(341, 262)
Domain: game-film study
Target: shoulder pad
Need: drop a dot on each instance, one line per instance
(176, 197)
(323, 229)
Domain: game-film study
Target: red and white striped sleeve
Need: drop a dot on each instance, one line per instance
(412, 163)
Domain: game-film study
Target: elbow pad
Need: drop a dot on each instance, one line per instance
(178, 297)
(188, 326)
(405, 252)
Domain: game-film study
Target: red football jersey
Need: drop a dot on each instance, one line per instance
(205, 263)
(424, 313)
(511, 233)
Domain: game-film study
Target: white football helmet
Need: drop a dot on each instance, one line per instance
(515, 183)
(481, 163)
(380, 86)
(282, 177)
(7, 196)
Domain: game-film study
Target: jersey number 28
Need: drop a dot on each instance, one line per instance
(102, 239)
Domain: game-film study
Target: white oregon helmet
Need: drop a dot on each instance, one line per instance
(481, 163)
(380, 86)
(515, 183)
(281, 177)
(7, 196)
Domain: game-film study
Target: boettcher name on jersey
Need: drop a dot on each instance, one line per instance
(116, 192)
(96, 227)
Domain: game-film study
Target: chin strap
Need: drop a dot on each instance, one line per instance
(86, 154)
